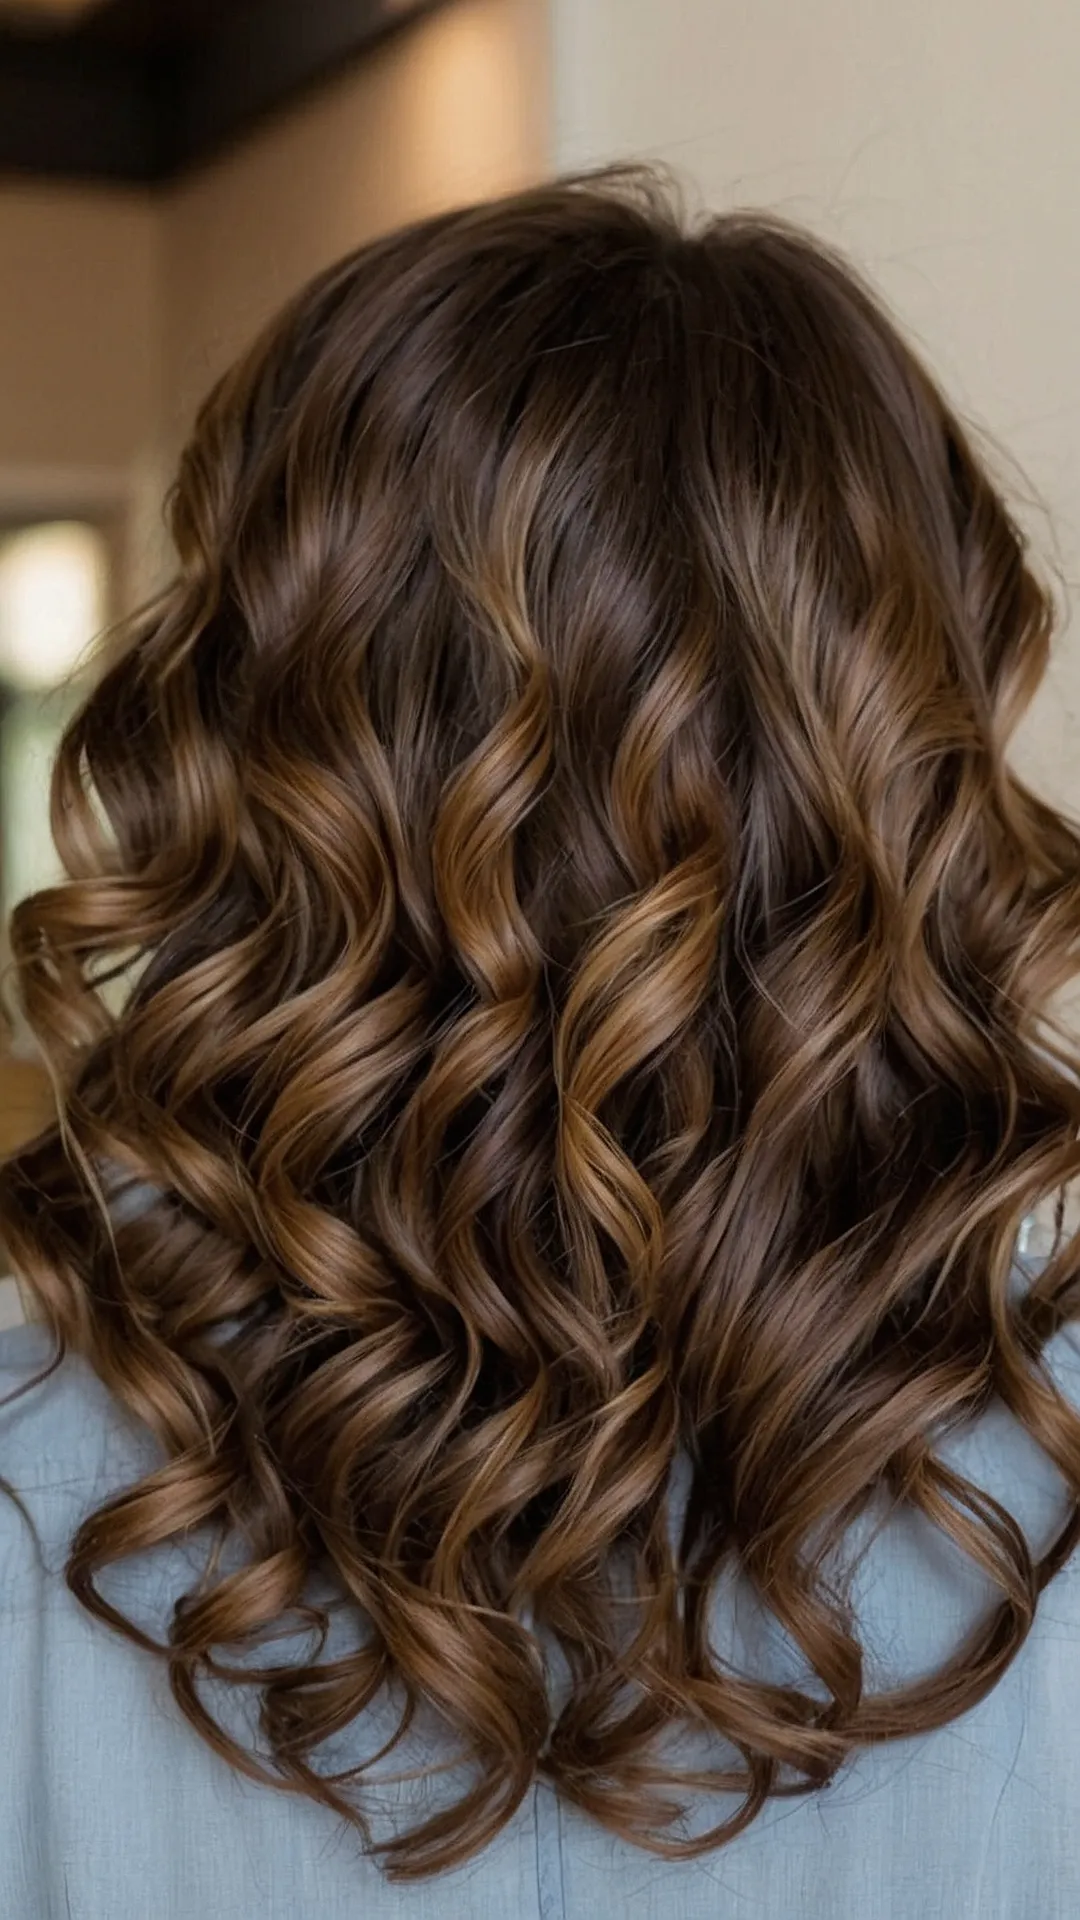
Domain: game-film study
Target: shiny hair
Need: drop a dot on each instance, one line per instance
(589, 1014)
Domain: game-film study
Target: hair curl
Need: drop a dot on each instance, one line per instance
(591, 1009)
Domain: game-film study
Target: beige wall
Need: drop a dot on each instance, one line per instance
(118, 308)
(938, 142)
(78, 326)
(454, 108)
(80, 355)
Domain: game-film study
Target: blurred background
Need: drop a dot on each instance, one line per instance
(170, 170)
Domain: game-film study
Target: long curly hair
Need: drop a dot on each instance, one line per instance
(589, 1012)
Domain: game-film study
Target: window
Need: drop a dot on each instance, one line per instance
(53, 605)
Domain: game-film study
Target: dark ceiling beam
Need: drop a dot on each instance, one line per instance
(140, 90)
(79, 112)
(265, 52)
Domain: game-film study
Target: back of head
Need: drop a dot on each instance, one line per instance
(591, 1002)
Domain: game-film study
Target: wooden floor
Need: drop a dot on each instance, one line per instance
(25, 1102)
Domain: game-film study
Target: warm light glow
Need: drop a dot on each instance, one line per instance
(54, 9)
(464, 124)
(29, 733)
(52, 601)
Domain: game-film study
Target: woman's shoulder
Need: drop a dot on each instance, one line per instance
(46, 1397)
(65, 1443)
(52, 1403)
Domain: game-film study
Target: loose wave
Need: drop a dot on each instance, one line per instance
(589, 1013)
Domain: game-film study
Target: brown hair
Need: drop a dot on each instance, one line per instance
(591, 1007)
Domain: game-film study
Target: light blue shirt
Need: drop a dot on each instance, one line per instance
(112, 1808)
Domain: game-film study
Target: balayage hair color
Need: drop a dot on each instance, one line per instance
(590, 1015)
